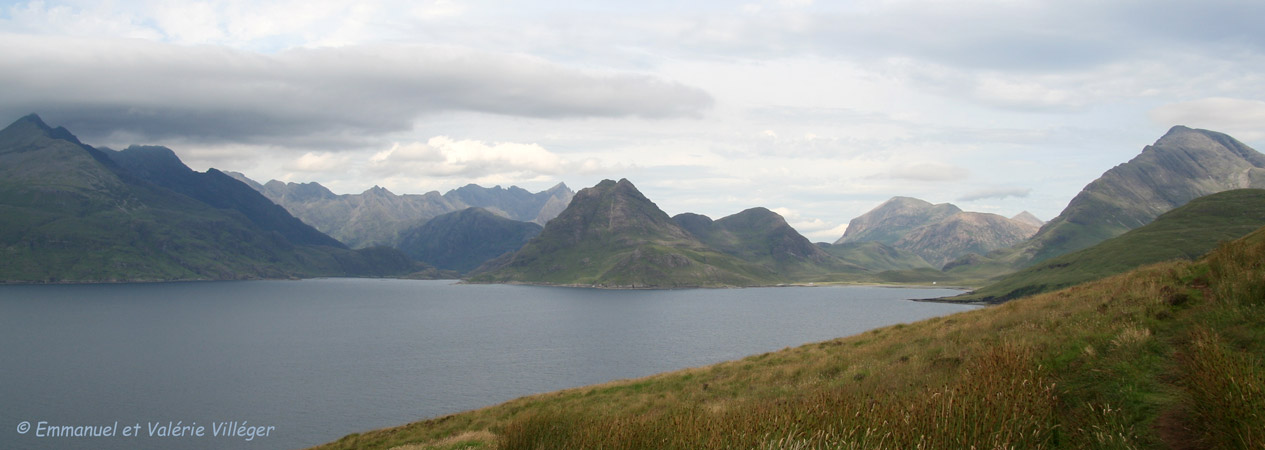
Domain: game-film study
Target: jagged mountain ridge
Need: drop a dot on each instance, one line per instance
(378, 216)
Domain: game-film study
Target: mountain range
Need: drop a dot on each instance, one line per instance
(73, 213)
(937, 233)
(379, 217)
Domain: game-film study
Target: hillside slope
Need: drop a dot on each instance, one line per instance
(1187, 232)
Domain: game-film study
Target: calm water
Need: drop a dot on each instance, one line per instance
(319, 359)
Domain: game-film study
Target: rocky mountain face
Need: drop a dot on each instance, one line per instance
(462, 241)
(936, 233)
(1181, 166)
(73, 213)
(378, 217)
(964, 233)
(890, 221)
(762, 236)
(611, 235)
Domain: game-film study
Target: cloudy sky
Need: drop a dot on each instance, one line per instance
(818, 110)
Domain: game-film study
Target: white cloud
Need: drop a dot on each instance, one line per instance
(1244, 119)
(933, 171)
(445, 157)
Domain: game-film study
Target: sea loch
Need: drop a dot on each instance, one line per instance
(298, 363)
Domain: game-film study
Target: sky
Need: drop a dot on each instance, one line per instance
(817, 110)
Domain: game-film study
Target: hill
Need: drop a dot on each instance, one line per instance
(613, 236)
(464, 240)
(1166, 356)
(71, 213)
(378, 216)
(763, 237)
(1181, 166)
(1187, 232)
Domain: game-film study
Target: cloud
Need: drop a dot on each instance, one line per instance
(1244, 119)
(995, 193)
(815, 229)
(154, 90)
(442, 156)
(929, 171)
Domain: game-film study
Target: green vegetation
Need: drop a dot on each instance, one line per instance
(1186, 232)
(876, 256)
(1169, 355)
(613, 236)
(763, 237)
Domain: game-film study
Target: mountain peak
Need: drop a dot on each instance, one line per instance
(1028, 218)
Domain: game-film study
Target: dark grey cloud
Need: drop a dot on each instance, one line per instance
(212, 94)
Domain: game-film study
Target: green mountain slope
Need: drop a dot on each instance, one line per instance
(876, 256)
(69, 213)
(613, 236)
(1186, 232)
(464, 240)
(763, 237)
(1181, 166)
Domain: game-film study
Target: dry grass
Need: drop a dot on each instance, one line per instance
(1092, 366)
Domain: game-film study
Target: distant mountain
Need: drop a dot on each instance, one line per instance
(378, 217)
(73, 213)
(761, 236)
(1028, 218)
(936, 233)
(1183, 165)
(890, 221)
(964, 233)
(613, 236)
(876, 256)
(1186, 232)
(464, 240)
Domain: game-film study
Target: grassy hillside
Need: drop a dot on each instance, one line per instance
(1170, 355)
(875, 256)
(1186, 232)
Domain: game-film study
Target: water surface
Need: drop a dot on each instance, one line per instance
(319, 359)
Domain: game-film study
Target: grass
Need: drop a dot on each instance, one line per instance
(1186, 233)
(1169, 355)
